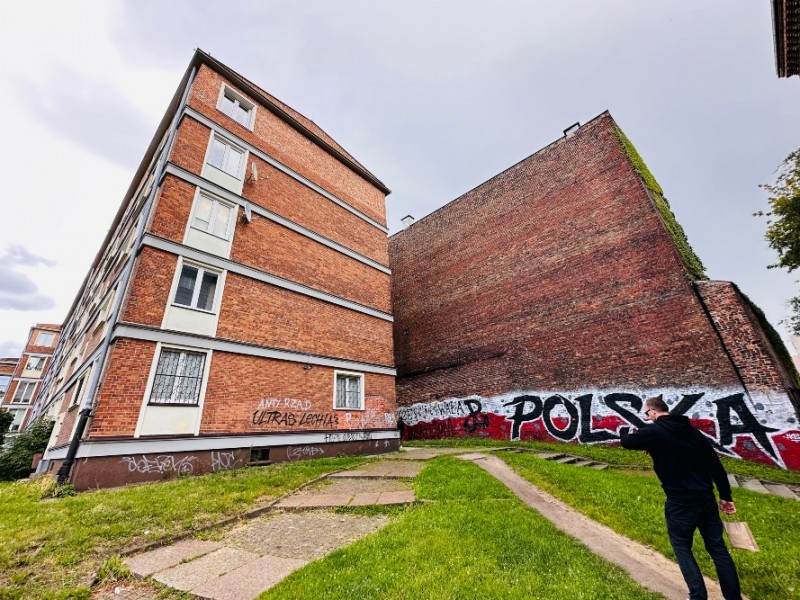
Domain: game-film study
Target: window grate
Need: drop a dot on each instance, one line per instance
(179, 375)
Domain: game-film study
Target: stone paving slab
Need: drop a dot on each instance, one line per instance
(389, 498)
(549, 455)
(583, 463)
(325, 500)
(147, 563)
(754, 485)
(189, 575)
(365, 499)
(780, 490)
(248, 581)
(383, 469)
(411, 456)
(305, 535)
(732, 480)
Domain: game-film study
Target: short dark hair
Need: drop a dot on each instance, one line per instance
(657, 403)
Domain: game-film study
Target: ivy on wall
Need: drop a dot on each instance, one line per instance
(692, 264)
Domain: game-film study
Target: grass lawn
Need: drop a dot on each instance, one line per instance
(50, 549)
(632, 503)
(476, 540)
(613, 455)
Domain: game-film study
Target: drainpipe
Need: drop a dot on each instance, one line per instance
(91, 389)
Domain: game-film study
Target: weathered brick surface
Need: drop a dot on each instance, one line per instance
(266, 315)
(300, 259)
(120, 397)
(247, 394)
(289, 146)
(190, 145)
(149, 293)
(556, 274)
(171, 212)
(743, 337)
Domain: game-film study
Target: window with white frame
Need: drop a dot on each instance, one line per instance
(35, 363)
(76, 397)
(226, 157)
(4, 381)
(17, 422)
(45, 339)
(197, 287)
(236, 107)
(349, 391)
(24, 392)
(178, 378)
(213, 216)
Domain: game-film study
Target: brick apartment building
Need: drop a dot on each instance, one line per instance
(550, 301)
(239, 310)
(24, 375)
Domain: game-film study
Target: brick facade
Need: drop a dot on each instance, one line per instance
(293, 300)
(550, 301)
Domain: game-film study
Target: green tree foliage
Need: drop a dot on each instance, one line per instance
(783, 231)
(6, 418)
(16, 459)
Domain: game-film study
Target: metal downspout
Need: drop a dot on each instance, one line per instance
(88, 397)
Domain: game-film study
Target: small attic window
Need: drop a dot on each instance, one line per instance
(237, 107)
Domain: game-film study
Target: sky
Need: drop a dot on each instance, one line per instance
(432, 97)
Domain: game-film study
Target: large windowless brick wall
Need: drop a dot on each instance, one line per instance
(551, 300)
(239, 311)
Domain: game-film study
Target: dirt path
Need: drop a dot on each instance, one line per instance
(650, 568)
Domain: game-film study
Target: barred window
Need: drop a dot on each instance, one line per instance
(178, 378)
(348, 391)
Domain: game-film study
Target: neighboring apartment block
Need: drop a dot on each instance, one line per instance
(550, 301)
(239, 310)
(23, 382)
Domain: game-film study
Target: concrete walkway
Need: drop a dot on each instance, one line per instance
(257, 554)
(643, 564)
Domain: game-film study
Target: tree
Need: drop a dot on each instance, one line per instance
(783, 231)
(6, 418)
(16, 459)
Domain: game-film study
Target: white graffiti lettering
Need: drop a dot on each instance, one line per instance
(223, 461)
(298, 452)
(160, 464)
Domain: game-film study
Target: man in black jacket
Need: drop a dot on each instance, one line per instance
(687, 467)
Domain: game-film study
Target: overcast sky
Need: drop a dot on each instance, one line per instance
(433, 97)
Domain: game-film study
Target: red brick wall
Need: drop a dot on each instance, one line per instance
(243, 391)
(743, 337)
(149, 292)
(558, 271)
(190, 145)
(270, 316)
(171, 211)
(120, 396)
(290, 147)
(297, 258)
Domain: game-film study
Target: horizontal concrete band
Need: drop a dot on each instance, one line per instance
(280, 166)
(228, 265)
(139, 332)
(217, 190)
(93, 449)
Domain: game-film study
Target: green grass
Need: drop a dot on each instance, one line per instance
(51, 548)
(474, 540)
(632, 503)
(613, 455)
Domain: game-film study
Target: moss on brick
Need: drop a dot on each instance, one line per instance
(692, 264)
(775, 339)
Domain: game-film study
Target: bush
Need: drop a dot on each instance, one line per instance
(16, 459)
(6, 418)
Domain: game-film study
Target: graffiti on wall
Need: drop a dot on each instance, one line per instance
(165, 463)
(291, 413)
(223, 461)
(761, 428)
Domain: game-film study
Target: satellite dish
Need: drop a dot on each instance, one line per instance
(248, 214)
(253, 171)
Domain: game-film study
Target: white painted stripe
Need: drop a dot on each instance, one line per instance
(234, 267)
(213, 188)
(94, 449)
(139, 332)
(279, 165)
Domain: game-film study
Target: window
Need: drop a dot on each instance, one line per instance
(4, 381)
(236, 107)
(45, 339)
(35, 363)
(76, 397)
(24, 392)
(196, 288)
(17, 422)
(213, 216)
(226, 157)
(349, 391)
(178, 377)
